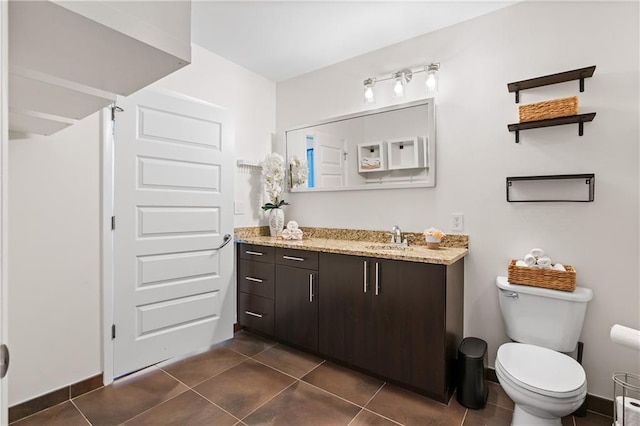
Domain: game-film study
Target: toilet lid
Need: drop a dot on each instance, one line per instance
(542, 370)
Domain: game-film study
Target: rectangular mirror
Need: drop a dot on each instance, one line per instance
(392, 147)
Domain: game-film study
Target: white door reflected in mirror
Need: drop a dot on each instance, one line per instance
(392, 147)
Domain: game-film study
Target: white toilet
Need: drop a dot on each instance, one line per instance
(544, 383)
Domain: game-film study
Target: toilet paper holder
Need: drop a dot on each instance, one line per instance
(626, 399)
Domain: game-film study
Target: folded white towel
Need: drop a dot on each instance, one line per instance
(559, 267)
(530, 259)
(521, 263)
(370, 163)
(537, 252)
(291, 225)
(286, 234)
(544, 262)
(296, 234)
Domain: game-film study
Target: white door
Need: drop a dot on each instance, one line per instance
(173, 190)
(329, 158)
(4, 256)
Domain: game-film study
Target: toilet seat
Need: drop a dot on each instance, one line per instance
(541, 370)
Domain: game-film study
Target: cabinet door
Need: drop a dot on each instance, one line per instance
(408, 319)
(297, 306)
(345, 309)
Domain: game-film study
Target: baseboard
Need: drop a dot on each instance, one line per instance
(595, 404)
(55, 397)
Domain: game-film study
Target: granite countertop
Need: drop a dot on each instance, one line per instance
(362, 243)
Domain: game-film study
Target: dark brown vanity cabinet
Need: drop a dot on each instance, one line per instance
(296, 300)
(399, 320)
(256, 288)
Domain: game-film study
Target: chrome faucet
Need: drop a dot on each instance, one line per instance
(396, 236)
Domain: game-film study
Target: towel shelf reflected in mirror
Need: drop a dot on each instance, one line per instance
(392, 147)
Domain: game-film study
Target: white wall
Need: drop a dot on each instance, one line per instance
(54, 283)
(54, 258)
(476, 152)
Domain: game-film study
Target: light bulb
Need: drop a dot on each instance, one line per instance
(431, 72)
(431, 82)
(368, 90)
(398, 89)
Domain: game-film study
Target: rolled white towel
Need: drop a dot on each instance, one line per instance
(559, 267)
(296, 234)
(521, 263)
(544, 262)
(286, 234)
(537, 252)
(292, 225)
(530, 259)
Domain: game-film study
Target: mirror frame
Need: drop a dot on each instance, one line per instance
(430, 146)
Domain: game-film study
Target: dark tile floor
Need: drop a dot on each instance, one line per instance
(251, 381)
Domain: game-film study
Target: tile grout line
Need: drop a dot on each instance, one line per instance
(284, 372)
(80, 411)
(216, 405)
(466, 411)
(269, 400)
(208, 378)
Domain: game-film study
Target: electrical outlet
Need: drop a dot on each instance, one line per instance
(457, 222)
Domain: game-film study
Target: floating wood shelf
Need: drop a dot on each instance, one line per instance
(579, 74)
(580, 119)
(571, 190)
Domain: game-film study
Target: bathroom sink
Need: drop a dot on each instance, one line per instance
(387, 247)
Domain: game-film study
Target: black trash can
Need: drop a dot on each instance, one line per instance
(472, 361)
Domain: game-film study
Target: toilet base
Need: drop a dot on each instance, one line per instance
(523, 418)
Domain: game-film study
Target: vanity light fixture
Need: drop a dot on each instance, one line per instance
(400, 79)
(369, 97)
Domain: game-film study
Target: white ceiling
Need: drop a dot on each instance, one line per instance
(283, 39)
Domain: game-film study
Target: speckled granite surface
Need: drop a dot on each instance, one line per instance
(363, 243)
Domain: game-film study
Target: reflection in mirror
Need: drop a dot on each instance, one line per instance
(391, 147)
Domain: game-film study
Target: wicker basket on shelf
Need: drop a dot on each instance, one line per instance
(539, 277)
(549, 109)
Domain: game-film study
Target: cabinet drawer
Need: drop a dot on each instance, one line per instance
(256, 252)
(256, 313)
(297, 258)
(256, 278)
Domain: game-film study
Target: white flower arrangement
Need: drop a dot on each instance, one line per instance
(273, 180)
(298, 171)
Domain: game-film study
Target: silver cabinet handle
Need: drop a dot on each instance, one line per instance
(253, 314)
(310, 287)
(255, 280)
(254, 253)
(225, 241)
(298, 259)
(377, 278)
(364, 276)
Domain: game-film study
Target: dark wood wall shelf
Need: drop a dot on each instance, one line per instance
(578, 74)
(588, 178)
(580, 119)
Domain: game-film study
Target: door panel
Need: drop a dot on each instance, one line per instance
(409, 322)
(296, 306)
(345, 309)
(173, 205)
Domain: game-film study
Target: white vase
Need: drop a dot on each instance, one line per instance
(276, 222)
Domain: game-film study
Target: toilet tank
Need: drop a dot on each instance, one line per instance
(541, 316)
